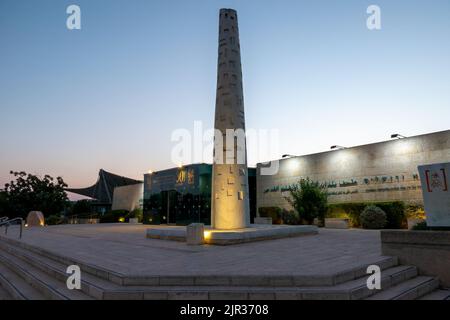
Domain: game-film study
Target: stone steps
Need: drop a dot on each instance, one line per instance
(49, 288)
(16, 287)
(437, 295)
(355, 289)
(4, 295)
(409, 290)
(103, 289)
(31, 253)
(39, 274)
(91, 285)
(14, 246)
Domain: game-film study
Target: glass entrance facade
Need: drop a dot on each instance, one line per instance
(181, 196)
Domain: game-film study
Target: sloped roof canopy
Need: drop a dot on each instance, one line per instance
(103, 189)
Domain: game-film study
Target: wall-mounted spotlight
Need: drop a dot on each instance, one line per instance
(336, 147)
(397, 136)
(287, 156)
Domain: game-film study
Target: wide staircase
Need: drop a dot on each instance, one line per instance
(31, 273)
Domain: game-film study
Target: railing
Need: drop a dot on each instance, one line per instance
(3, 219)
(7, 223)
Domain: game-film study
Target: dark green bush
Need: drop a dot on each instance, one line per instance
(395, 212)
(136, 213)
(271, 212)
(421, 226)
(114, 216)
(290, 217)
(373, 217)
(54, 220)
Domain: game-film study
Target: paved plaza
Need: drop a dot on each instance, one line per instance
(124, 249)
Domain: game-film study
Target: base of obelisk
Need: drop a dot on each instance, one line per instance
(235, 236)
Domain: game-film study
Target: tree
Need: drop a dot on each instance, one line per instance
(82, 206)
(309, 199)
(3, 204)
(30, 192)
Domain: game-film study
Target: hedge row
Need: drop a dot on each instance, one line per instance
(121, 216)
(395, 212)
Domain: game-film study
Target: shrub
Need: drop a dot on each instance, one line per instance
(271, 212)
(290, 217)
(114, 216)
(373, 217)
(136, 213)
(309, 199)
(54, 220)
(352, 210)
(395, 214)
(421, 226)
(415, 211)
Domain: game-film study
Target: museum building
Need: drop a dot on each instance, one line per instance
(379, 172)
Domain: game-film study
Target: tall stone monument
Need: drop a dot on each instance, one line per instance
(230, 198)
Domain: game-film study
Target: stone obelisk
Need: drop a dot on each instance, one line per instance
(229, 198)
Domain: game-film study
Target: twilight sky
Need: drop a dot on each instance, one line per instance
(111, 94)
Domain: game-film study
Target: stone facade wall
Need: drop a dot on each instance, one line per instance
(385, 171)
(429, 251)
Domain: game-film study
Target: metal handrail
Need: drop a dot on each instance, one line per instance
(7, 223)
(3, 219)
